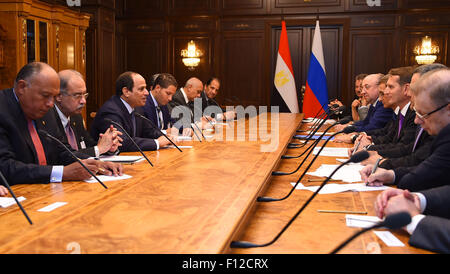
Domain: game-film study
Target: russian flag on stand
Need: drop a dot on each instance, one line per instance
(284, 74)
(316, 93)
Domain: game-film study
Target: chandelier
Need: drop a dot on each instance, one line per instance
(191, 56)
(426, 53)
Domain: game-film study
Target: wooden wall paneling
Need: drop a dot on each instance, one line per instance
(133, 8)
(13, 55)
(363, 46)
(306, 6)
(361, 5)
(430, 4)
(244, 6)
(192, 7)
(243, 67)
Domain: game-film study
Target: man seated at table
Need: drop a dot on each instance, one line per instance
(432, 105)
(162, 87)
(401, 129)
(208, 99)
(65, 117)
(183, 109)
(410, 153)
(429, 209)
(377, 117)
(26, 155)
(131, 95)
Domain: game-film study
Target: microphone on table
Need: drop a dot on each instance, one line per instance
(311, 134)
(154, 126)
(392, 221)
(5, 182)
(192, 117)
(356, 158)
(314, 144)
(128, 135)
(269, 199)
(43, 132)
(327, 114)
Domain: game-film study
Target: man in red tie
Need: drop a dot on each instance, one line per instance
(25, 155)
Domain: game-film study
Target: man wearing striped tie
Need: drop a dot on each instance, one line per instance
(27, 156)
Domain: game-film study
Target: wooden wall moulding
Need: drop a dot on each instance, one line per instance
(430, 20)
(430, 4)
(194, 25)
(373, 21)
(362, 5)
(242, 25)
(306, 6)
(243, 6)
(146, 26)
(192, 7)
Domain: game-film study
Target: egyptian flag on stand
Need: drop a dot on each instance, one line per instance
(316, 93)
(284, 74)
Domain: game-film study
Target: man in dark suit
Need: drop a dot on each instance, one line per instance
(210, 92)
(65, 118)
(432, 105)
(26, 156)
(131, 95)
(429, 209)
(400, 130)
(162, 88)
(377, 117)
(184, 110)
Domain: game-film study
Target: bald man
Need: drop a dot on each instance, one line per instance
(27, 156)
(182, 107)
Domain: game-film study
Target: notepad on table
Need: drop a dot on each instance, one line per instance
(6, 201)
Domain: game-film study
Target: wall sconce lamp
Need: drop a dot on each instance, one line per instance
(191, 56)
(426, 53)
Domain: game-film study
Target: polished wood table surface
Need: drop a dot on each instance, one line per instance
(189, 202)
(196, 201)
(314, 232)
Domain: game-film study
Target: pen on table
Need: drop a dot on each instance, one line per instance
(342, 211)
(374, 169)
(356, 146)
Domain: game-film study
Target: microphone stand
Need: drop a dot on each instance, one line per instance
(128, 135)
(15, 198)
(360, 156)
(73, 155)
(154, 126)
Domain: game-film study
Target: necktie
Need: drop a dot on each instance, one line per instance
(37, 144)
(417, 139)
(400, 123)
(160, 118)
(71, 137)
(133, 121)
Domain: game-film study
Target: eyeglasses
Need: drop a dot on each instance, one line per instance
(424, 116)
(78, 96)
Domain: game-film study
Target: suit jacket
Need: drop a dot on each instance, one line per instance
(206, 102)
(432, 172)
(76, 122)
(182, 112)
(377, 117)
(433, 231)
(150, 113)
(404, 156)
(18, 159)
(388, 138)
(115, 110)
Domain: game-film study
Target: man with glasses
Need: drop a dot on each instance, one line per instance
(432, 105)
(65, 118)
(377, 117)
(27, 156)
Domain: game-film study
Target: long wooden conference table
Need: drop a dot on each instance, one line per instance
(195, 201)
